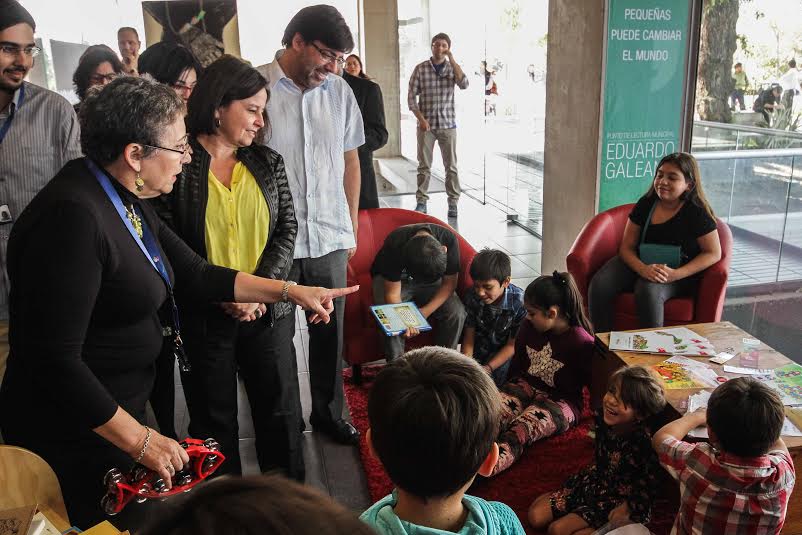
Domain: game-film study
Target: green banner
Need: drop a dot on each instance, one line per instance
(644, 81)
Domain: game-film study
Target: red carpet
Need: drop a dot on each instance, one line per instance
(542, 468)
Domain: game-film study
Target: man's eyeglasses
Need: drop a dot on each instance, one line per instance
(182, 149)
(329, 56)
(14, 50)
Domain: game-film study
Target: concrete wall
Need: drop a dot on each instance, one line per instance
(573, 94)
(380, 20)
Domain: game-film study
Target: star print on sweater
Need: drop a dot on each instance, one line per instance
(542, 365)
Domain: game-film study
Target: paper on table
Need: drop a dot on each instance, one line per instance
(698, 400)
(722, 357)
(746, 371)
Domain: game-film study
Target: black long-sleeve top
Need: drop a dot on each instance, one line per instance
(85, 329)
(369, 98)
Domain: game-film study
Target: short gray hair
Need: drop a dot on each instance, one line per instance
(128, 110)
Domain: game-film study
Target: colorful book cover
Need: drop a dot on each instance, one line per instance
(675, 375)
(396, 318)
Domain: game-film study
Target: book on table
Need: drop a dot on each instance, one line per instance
(396, 318)
(665, 341)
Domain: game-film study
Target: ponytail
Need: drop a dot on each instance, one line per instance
(559, 289)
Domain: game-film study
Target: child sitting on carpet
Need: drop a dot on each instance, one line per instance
(741, 481)
(433, 420)
(619, 486)
(553, 351)
(494, 311)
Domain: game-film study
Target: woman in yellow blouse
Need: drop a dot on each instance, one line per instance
(233, 206)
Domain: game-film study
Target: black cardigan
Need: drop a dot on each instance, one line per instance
(85, 328)
(369, 98)
(184, 209)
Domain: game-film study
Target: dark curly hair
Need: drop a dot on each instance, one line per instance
(89, 61)
(128, 110)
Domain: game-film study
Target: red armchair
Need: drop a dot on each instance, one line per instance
(599, 241)
(362, 340)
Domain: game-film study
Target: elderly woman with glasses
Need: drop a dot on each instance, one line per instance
(171, 64)
(99, 65)
(233, 206)
(92, 270)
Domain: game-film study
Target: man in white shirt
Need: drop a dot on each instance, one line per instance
(317, 127)
(790, 84)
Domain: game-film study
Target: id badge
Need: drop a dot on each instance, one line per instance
(5, 215)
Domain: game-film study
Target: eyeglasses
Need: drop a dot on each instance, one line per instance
(182, 150)
(103, 78)
(329, 56)
(14, 50)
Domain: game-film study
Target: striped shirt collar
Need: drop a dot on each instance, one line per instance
(14, 104)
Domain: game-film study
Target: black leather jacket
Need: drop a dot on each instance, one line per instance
(184, 210)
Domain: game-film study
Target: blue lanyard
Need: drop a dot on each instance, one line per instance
(7, 125)
(147, 244)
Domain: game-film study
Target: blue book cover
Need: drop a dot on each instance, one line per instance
(395, 318)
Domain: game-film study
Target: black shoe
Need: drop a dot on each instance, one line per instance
(339, 431)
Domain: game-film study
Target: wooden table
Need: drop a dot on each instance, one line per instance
(722, 335)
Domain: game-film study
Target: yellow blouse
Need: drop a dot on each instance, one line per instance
(237, 221)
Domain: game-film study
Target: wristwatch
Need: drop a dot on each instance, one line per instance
(285, 290)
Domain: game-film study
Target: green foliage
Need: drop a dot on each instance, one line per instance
(512, 15)
(785, 120)
(745, 45)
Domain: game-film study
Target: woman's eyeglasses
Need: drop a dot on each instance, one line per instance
(181, 149)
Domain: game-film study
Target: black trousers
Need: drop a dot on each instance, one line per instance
(265, 359)
(325, 339)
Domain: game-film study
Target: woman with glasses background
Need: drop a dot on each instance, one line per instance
(232, 204)
(92, 269)
(172, 64)
(98, 65)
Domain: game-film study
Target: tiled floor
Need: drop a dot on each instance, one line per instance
(336, 469)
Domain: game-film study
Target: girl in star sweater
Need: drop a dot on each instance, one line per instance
(553, 351)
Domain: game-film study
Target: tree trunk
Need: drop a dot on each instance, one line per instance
(717, 44)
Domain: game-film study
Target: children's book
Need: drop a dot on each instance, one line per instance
(396, 318)
(667, 341)
(682, 372)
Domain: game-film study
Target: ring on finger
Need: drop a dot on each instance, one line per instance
(258, 313)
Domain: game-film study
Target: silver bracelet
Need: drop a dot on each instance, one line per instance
(144, 446)
(285, 290)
